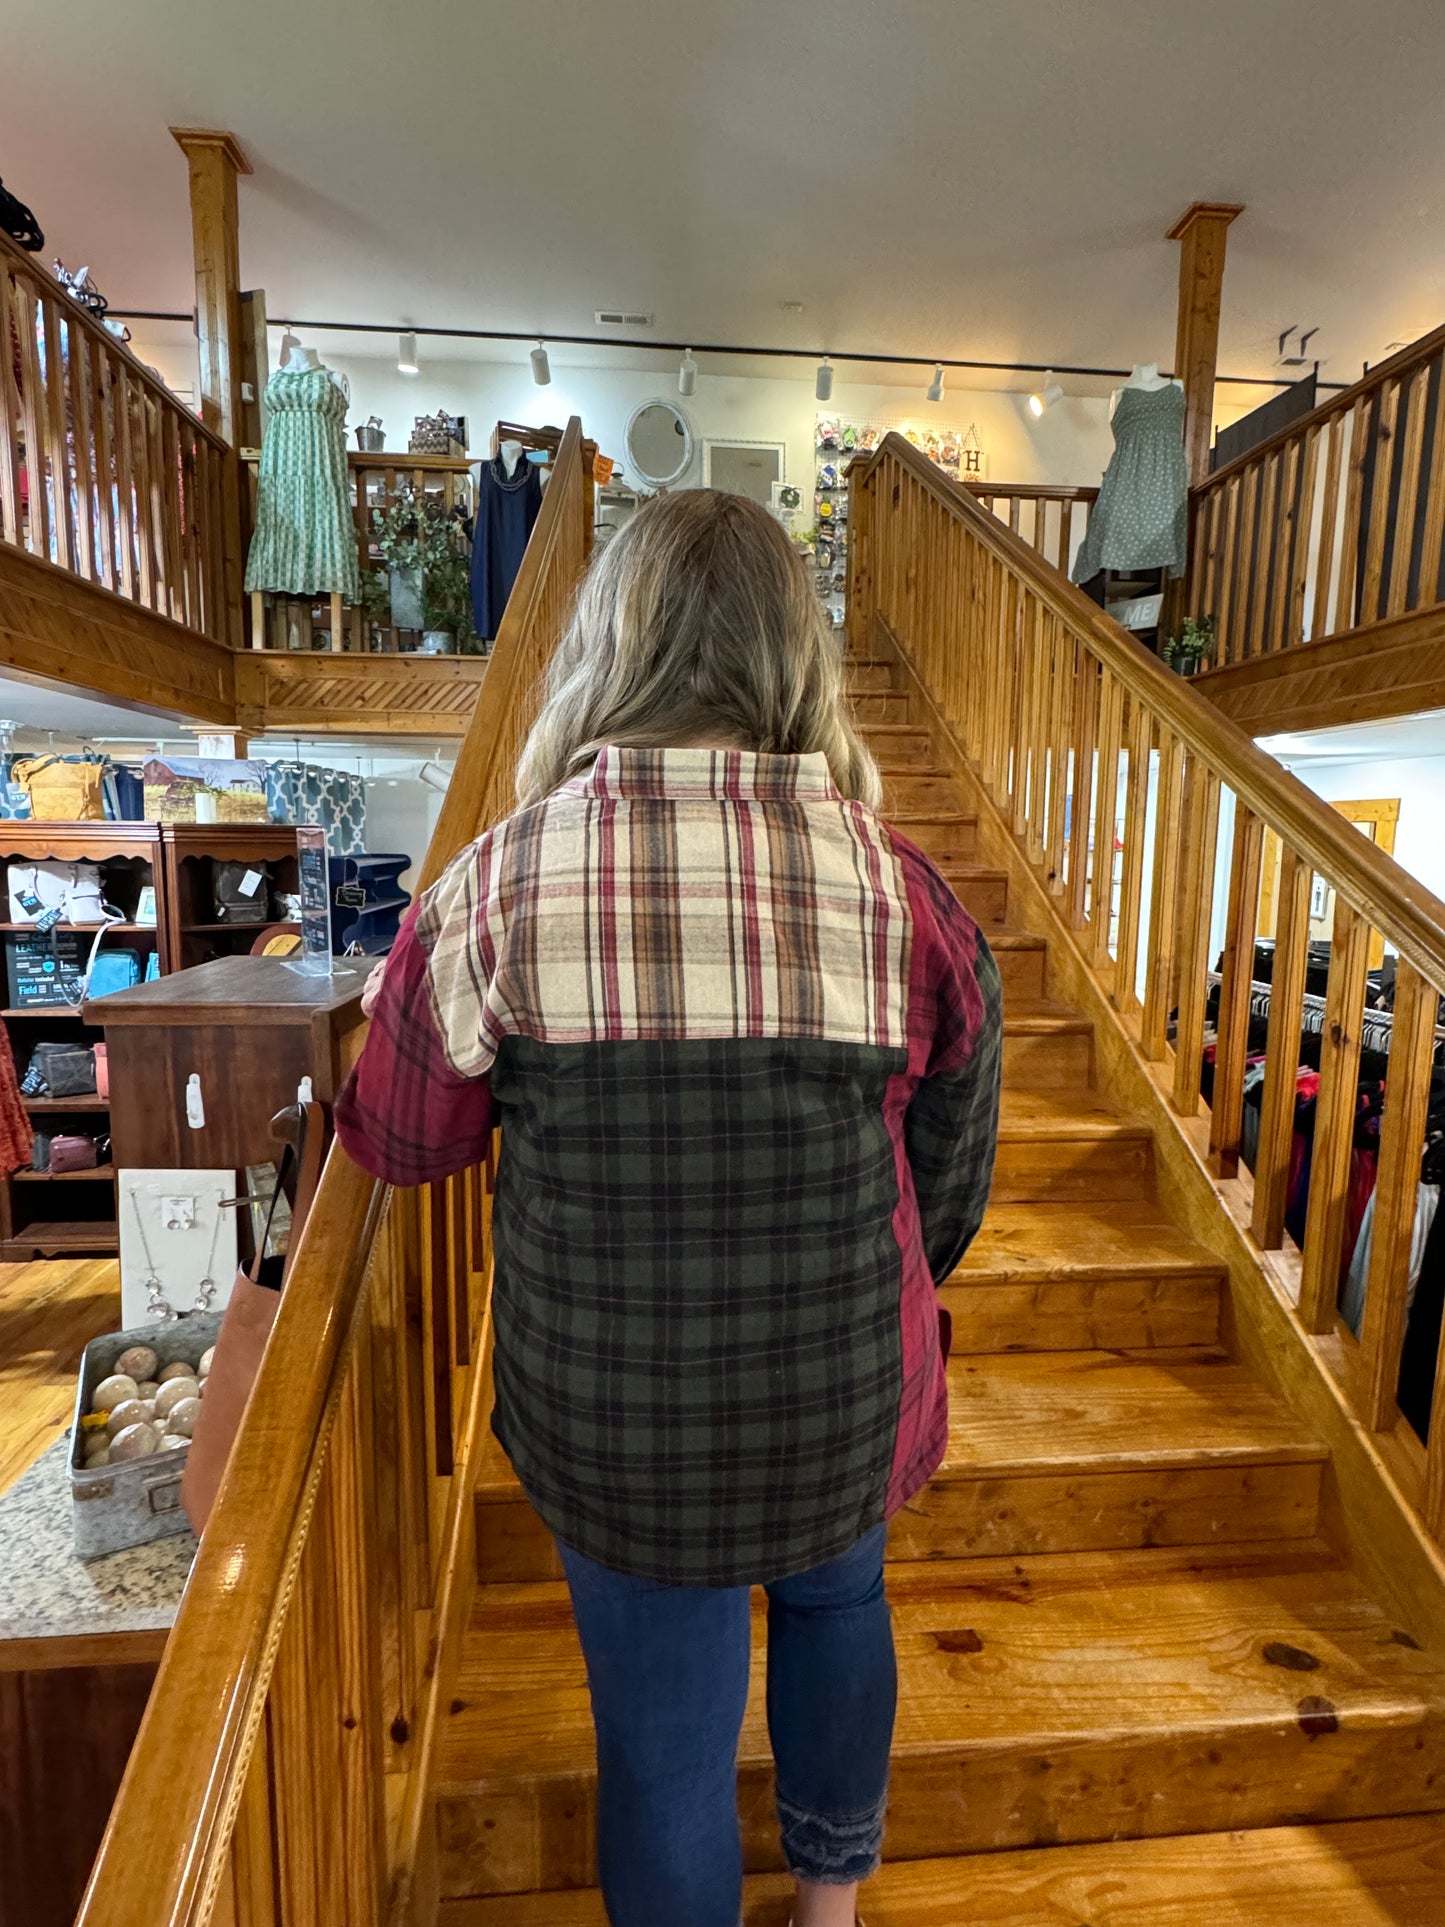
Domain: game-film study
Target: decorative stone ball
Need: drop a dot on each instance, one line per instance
(182, 1416)
(130, 1411)
(148, 1387)
(206, 1358)
(135, 1442)
(172, 1391)
(110, 1391)
(97, 1450)
(138, 1361)
(178, 1369)
(173, 1441)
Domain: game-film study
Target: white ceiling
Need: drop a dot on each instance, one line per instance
(932, 177)
(1398, 736)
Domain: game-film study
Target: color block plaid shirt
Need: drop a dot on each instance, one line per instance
(744, 1045)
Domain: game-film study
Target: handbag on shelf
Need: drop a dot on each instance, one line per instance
(60, 1070)
(112, 970)
(242, 894)
(249, 1316)
(102, 1070)
(63, 789)
(72, 1153)
(59, 892)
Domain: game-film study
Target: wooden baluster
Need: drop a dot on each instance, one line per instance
(1237, 972)
(461, 1273)
(126, 519)
(1244, 585)
(1081, 799)
(1281, 1062)
(1402, 1135)
(1015, 504)
(1023, 742)
(1281, 535)
(1334, 434)
(1349, 545)
(104, 465)
(439, 1302)
(1106, 816)
(1063, 678)
(396, 1453)
(1376, 556)
(1264, 552)
(1136, 806)
(62, 525)
(1334, 1119)
(1224, 606)
(1044, 631)
(141, 469)
(11, 519)
(83, 439)
(1066, 536)
(253, 1843)
(1196, 906)
(1163, 897)
(1434, 508)
(1402, 526)
(1301, 527)
(356, 1632)
(32, 415)
(168, 504)
(1204, 510)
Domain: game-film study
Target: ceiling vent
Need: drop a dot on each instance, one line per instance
(620, 318)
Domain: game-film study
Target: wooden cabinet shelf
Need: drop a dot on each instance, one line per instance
(104, 1171)
(92, 1103)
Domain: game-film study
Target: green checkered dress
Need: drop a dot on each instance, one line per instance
(305, 542)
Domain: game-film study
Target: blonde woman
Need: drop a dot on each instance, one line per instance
(744, 1045)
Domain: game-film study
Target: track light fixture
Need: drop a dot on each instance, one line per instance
(406, 361)
(935, 387)
(541, 367)
(823, 384)
(1043, 399)
(687, 374)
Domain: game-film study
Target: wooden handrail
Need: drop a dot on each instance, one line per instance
(1055, 535)
(1335, 523)
(306, 1666)
(1409, 916)
(102, 470)
(1111, 774)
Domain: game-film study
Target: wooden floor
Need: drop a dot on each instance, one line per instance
(49, 1311)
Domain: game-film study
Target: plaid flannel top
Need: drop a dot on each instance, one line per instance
(744, 1044)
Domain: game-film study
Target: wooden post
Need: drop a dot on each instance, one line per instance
(215, 159)
(1200, 232)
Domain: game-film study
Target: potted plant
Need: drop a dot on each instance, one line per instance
(1191, 649)
(421, 543)
(446, 603)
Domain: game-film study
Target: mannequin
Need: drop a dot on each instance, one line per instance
(1145, 375)
(300, 358)
(511, 453)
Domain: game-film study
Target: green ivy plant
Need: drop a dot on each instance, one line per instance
(416, 532)
(1191, 649)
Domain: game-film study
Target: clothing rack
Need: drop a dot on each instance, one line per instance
(1377, 1027)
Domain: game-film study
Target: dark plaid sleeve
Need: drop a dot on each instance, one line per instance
(951, 1128)
(404, 1114)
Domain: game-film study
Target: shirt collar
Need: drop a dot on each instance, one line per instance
(736, 774)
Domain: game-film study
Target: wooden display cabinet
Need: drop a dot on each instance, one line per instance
(190, 853)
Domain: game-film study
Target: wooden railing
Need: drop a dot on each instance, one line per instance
(287, 622)
(102, 471)
(1111, 772)
(1052, 519)
(281, 1773)
(1333, 524)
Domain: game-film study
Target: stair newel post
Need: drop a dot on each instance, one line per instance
(1131, 887)
(1196, 907)
(1237, 974)
(1402, 1135)
(1106, 817)
(1334, 1119)
(1163, 897)
(1276, 1123)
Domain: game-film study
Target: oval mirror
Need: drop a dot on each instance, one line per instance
(659, 443)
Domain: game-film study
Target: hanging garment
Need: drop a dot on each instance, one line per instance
(1352, 1304)
(1416, 1391)
(17, 1139)
(507, 507)
(1140, 518)
(305, 540)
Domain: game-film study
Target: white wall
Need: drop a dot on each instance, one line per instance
(1418, 781)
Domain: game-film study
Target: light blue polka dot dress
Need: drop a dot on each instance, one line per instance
(1140, 518)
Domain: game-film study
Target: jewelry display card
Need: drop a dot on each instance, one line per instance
(177, 1243)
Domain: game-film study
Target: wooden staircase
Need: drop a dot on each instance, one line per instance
(1139, 1681)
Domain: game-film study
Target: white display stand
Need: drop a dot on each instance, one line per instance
(187, 1221)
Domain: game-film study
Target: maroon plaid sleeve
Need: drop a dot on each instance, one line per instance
(404, 1114)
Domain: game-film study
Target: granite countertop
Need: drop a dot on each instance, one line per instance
(47, 1592)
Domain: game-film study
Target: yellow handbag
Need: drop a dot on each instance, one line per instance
(62, 791)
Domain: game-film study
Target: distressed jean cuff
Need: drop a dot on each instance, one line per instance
(835, 1849)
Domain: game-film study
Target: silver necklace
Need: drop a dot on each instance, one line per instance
(157, 1304)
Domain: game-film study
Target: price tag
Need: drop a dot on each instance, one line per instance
(250, 883)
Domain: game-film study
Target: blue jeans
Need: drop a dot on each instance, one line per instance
(668, 1671)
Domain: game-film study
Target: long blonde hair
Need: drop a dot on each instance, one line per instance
(697, 624)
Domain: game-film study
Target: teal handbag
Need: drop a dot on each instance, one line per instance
(113, 970)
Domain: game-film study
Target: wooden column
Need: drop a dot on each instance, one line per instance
(1200, 232)
(215, 159)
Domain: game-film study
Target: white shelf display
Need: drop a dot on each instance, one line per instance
(838, 441)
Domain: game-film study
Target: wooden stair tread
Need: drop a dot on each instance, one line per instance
(1354, 1873)
(1022, 1242)
(1063, 1114)
(1031, 1413)
(1041, 1016)
(998, 1658)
